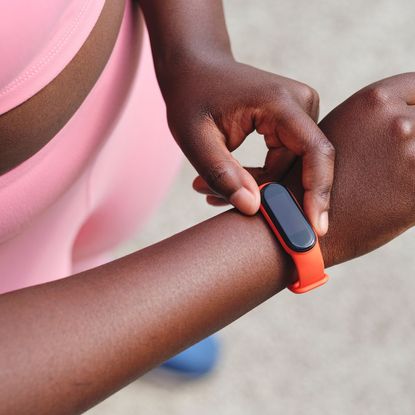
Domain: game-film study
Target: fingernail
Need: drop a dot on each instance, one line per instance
(323, 223)
(243, 200)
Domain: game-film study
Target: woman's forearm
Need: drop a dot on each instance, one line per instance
(68, 344)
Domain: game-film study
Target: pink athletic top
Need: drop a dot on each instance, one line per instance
(49, 36)
(93, 185)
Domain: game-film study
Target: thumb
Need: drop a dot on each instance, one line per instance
(221, 171)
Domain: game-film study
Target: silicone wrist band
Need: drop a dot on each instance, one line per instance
(309, 263)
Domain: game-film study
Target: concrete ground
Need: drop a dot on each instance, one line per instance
(347, 348)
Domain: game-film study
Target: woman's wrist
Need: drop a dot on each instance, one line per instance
(183, 33)
(177, 65)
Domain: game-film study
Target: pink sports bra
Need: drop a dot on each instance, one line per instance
(49, 35)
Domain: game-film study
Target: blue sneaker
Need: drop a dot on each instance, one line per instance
(197, 360)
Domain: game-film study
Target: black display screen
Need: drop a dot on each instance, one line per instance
(288, 217)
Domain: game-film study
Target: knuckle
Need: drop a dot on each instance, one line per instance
(324, 195)
(329, 149)
(321, 194)
(326, 149)
(308, 94)
(402, 127)
(377, 95)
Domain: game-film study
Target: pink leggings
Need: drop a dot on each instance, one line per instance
(95, 183)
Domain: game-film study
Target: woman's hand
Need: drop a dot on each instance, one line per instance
(373, 198)
(214, 104)
(128, 316)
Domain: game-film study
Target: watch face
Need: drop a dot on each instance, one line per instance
(288, 217)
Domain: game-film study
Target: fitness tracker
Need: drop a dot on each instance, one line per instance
(287, 221)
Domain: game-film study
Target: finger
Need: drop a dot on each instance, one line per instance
(216, 201)
(315, 109)
(311, 103)
(300, 134)
(225, 176)
(200, 185)
(278, 163)
(402, 85)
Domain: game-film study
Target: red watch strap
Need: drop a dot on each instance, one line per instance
(310, 270)
(309, 265)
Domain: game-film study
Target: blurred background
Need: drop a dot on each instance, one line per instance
(348, 347)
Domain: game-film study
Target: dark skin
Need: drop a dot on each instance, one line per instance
(385, 112)
(214, 102)
(68, 344)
